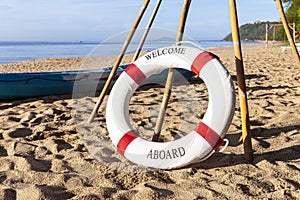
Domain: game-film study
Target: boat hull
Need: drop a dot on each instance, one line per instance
(24, 85)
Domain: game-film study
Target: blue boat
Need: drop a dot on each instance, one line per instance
(25, 85)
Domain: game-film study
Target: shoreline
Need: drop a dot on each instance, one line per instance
(79, 60)
(79, 63)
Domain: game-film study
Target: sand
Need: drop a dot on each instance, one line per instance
(47, 151)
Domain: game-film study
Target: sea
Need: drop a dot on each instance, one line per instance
(11, 52)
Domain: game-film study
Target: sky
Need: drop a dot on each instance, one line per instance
(97, 20)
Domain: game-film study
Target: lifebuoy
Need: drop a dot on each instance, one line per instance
(201, 142)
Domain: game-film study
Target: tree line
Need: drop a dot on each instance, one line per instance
(257, 30)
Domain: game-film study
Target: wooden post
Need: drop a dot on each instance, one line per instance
(287, 31)
(274, 33)
(246, 134)
(267, 35)
(294, 32)
(171, 74)
(150, 22)
(118, 61)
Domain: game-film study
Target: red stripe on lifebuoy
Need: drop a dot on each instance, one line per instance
(125, 141)
(209, 135)
(200, 61)
(135, 73)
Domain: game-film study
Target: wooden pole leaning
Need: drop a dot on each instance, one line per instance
(118, 61)
(287, 31)
(246, 134)
(150, 22)
(171, 74)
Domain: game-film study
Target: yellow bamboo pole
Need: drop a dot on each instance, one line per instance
(118, 61)
(287, 31)
(246, 134)
(171, 74)
(150, 22)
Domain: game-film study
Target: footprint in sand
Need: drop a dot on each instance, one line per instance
(20, 132)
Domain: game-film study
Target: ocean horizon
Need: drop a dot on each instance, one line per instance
(18, 51)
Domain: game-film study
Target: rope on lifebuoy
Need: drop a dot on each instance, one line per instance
(201, 142)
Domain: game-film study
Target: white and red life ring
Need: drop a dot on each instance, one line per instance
(201, 142)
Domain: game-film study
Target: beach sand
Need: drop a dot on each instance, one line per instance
(47, 151)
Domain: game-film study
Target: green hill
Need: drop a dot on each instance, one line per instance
(257, 31)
